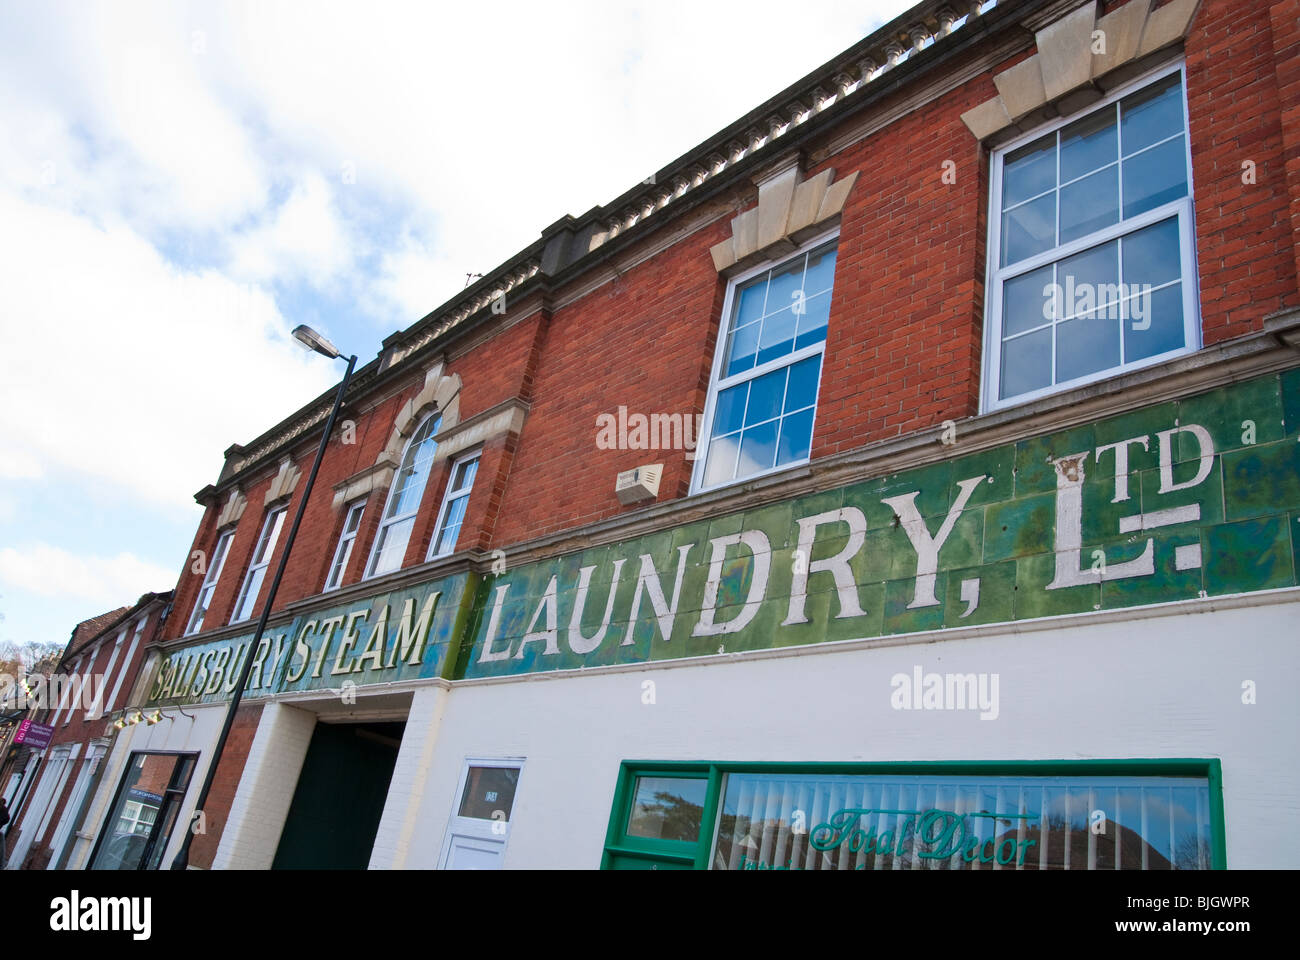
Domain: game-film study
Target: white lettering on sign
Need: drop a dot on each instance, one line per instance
(927, 546)
(761, 549)
(837, 566)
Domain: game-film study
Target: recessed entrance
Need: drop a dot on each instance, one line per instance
(340, 797)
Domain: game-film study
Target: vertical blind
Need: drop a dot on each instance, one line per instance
(869, 822)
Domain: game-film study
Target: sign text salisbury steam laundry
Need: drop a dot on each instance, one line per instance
(1175, 501)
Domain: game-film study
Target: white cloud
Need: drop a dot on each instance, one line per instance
(303, 239)
(118, 366)
(110, 581)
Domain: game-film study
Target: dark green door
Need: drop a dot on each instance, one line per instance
(340, 797)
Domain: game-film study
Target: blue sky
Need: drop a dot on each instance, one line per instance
(181, 184)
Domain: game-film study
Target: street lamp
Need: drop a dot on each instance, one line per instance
(312, 340)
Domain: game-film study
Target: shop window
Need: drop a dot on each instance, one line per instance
(215, 565)
(1091, 253)
(454, 503)
(343, 552)
(763, 396)
(479, 827)
(144, 813)
(404, 500)
(247, 601)
(1087, 815)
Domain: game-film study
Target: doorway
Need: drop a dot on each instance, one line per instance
(340, 797)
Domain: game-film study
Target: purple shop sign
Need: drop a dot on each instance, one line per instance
(35, 735)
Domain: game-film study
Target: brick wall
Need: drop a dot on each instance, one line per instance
(906, 324)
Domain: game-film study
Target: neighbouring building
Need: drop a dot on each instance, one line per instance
(79, 709)
(906, 477)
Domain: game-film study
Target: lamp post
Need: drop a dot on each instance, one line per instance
(312, 340)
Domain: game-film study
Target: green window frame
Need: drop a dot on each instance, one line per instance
(624, 851)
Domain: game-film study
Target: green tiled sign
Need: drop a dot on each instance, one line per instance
(1184, 499)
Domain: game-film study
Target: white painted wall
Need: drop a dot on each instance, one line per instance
(1165, 686)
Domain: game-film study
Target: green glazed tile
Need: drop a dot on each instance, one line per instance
(1145, 422)
(933, 485)
(1034, 470)
(1290, 382)
(873, 563)
(726, 526)
(962, 548)
(1033, 599)
(1246, 556)
(1208, 495)
(775, 520)
(1223, 413)
(997, 589)
(1167, 583)
(1019, 528)
(997, 465)
(900, 619)
(1261, 480)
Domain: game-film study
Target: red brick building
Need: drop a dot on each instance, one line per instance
(976, 346)
(95, 677)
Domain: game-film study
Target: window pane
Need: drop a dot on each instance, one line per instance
(1155, 177)
(821, 271)
(730, 415)
(1029, 171)
(1029, 229)
(1154, 323)
(777, 336)
(796, 437)
(1088, 343)
(765, 396)
(392, 546)
(1089, 279)
(451, 525)
(1088, 145)
(1026, 301)
(667, 808)
(248, 598)
(1153, 256)
(722, 460)
(1152, 114)
(786, 282)
(812, 324)
(489, 793)
(743, 349)
(1090, 204)
(466, 470)
(1026, 363)
(774, 821)
(749, 305)
(758, 448)
(415, 470)
(802, 391)
(353, 520)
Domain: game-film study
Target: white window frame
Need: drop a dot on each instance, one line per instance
(209, 587)
(472, 828)
(717, 383)
(346, 542)
(448, 496)
(384, 520)
(995, 276)
(264, 535)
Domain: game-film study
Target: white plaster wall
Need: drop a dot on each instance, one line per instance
(1168, 686)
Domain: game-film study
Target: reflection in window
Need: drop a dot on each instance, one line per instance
(404, 500)
(667, 808)
(137, 831)
(765, 390)
(866, 822)
(1093, 231)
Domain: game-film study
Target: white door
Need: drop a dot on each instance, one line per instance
(480, 817)
(37, 811)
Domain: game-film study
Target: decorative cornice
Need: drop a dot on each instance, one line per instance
(1075, 52)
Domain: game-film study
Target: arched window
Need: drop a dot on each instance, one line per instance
(404, 500)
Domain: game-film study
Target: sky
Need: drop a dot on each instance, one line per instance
(182, 184)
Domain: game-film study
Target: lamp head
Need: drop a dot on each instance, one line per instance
(312, 340)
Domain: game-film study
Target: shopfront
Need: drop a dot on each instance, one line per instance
(1044, 654)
